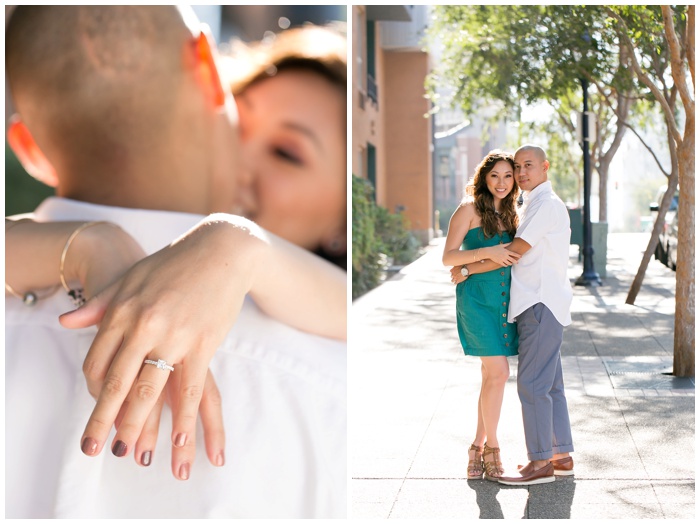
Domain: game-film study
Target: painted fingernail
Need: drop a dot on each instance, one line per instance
(180, 439)
(184, 471)
(89, 446)
(220, 459)
(119, 448)
(146, 458)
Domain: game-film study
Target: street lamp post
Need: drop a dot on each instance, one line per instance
(589, 277)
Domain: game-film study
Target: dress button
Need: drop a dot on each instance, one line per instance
(503, 294)
(507, 344)
(503, 303)
(504, 315)
(504, 324)
(503, 284)
(503, 273)
(505, 336)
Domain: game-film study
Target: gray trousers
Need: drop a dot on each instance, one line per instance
(541, 384)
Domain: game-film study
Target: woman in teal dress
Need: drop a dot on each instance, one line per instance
(481, 228)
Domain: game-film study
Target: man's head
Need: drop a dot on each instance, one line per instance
(121, 105)
(531, 166)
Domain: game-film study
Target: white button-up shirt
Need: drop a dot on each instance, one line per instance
(284, 402)
(541, 273)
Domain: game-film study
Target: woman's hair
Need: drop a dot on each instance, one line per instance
(483, 199)
(320, 50)
(311, 48)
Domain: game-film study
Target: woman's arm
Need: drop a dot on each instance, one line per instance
(95, 259)
(460, 223)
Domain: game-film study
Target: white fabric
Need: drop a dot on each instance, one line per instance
(540, 275)
(284, 401)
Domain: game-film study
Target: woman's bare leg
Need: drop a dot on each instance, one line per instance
(495, 372)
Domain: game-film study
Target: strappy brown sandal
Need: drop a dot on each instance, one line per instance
(494, 468)
(475, 468)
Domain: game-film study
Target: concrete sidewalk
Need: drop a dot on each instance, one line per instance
(413, 403)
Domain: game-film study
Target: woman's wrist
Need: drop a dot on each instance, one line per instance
(84, 248)
(234, 241)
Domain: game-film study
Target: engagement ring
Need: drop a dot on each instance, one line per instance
(160, 364)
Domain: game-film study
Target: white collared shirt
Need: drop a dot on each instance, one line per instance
(284, 402)
(541, 273)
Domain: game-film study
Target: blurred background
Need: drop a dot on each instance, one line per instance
(247, 23)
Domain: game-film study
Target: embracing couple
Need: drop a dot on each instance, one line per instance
(156, 144)
(514, 298)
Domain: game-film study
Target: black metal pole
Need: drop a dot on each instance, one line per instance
(589, 277)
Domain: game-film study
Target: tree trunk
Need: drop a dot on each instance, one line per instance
(602, 192)
(684, 333)
(654, 240)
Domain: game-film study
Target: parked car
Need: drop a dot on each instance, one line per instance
(672, 243)
(668, 238)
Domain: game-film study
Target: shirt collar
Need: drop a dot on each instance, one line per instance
(153, 230)
(544, 187)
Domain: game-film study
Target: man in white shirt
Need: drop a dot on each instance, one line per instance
(540, 304)
(149, 144)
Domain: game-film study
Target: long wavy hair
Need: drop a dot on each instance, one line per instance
(483, 199)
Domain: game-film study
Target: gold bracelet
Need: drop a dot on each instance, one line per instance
(75, 294)
(30, 297)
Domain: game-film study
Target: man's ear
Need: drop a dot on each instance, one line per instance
(28, 153)
(207, 71)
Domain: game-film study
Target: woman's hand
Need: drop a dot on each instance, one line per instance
(501, 255)
(456, 275)
(176, 305)
(99, 256)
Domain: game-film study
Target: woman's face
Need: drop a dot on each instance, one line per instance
(293, 142)
(499, 180)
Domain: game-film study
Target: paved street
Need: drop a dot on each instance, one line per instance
(413, 400)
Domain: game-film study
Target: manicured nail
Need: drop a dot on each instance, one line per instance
(146, 458)
(220, 459)
(89, 446)
(180, 439)
(185, 471)
(119, 448)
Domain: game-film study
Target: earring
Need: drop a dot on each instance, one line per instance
(335, 245)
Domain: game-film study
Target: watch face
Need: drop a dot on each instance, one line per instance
(465, 272)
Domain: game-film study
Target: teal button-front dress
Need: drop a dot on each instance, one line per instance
(482, 305)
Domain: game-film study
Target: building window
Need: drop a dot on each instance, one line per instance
(372, 167)
(371, 61)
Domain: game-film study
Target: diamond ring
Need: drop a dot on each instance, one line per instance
(160, 364)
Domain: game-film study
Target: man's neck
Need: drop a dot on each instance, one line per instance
(144, 191)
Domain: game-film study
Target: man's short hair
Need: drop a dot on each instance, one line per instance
(95, 77)
(532, 147)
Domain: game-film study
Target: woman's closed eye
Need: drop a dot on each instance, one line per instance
(287, 155)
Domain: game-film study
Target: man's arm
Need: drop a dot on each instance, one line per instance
(518, 246)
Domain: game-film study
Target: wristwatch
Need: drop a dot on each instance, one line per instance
(464, 271)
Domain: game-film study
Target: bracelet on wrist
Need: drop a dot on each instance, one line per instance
(76, 294)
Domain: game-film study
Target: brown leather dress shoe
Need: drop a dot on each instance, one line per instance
(530, 476)
(562, 467)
